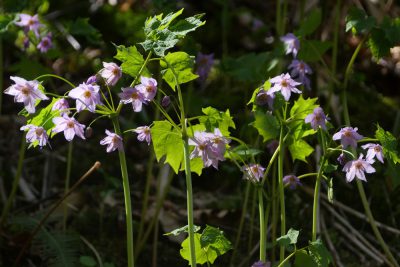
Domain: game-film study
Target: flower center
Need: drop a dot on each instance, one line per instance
(377, 149)
(146, 131)
(114, 139)
(87, 94)
(318, 117)
(45, 42)
(25, 91)
(255, 170)
(149, 89)
(115, 71)
(347, 134)
(31, 22)
(284, 83)
(39, 131)
(135, 95)
(70, 124)
(202, 147)
(301, 66)
(358, 165)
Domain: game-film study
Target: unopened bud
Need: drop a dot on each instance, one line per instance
(88, 132)
(165, 101)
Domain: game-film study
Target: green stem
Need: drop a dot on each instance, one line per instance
(127, 197)
(360, 186)
(284, 12)
(274, 219)
(281, 189)
(263, 241)
(189, 193)
(10, 199)
(57, 77)
(317, 188)
(67, 182)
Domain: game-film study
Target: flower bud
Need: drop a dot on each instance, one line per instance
(165, 101)
(88, 132)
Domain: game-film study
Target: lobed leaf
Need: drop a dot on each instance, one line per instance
(389, 144)
(214, 118)
(267, 125)
(6, 20)
(300, 149)
(289, 239)
(183, 229)
(181, 64)
(319, 253)
(358, 21)
(132, 60)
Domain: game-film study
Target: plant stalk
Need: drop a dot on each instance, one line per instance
(67, 182)
(127, 197)
(263, 241)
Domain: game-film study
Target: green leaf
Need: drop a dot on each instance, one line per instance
(131, 60)
(320, 254)
(312, 50)
(389, 144)
(214, 238)
(267, 125)
(328, 167)
(208, 245)
(392, 30)
(288, 239)
(214, 118)
(180, 63)
(168, 144)
(300, 149)
(378, 43)
(87, 261)
(183, 229)
(301, 108)
(358, 21)
(162, 35)
(6, 20)
(310, 23)
(82, 27)
(243, 152)
(302, 259)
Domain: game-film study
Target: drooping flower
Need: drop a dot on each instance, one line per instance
(92, 79)
(87, 97)
(148, 87)
(374, 150)
(166, 101)
(209, 146)
(143, 134)
(111, 73)
(204, 63)
(299, 70)
(342, 159)
(292, 181)
(69, 126)
(316, 119)
(29, 23)
(35, 133)
(358, 168)
(113, 142)
(134, 96)
(26, 92)
(61, 105)
(254, 172)
(285, 84)
(348, 137)
(292, 44)
(263, 98)
(45, 44)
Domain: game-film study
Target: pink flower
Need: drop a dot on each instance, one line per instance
(35, 133)
(61, 105)
(292, 181)
(134, 96)
(374, 150)
(299, 69)
(143, 134)
(254, 172)
(316, 119)
(26, 92)
(45, 44)
(87, 97)
(29, 23)
(113, 142)
(292, 44)
(348, 137)
(285, 84)
(69, 126)
(148, 87)
(209, 146)
(357, 168)
(111, 73)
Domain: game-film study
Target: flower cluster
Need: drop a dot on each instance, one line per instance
(209, 146)
(142, 93)
(32, 24)
(348, 136)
